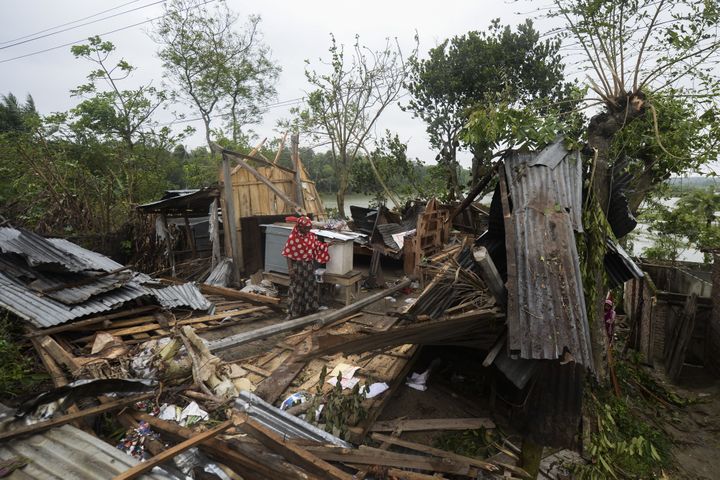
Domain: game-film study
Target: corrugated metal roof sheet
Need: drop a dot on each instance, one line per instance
(546, 303)
(43, 311)
(93, 260)
(68, 453)
(38, 250)
(79, 294)
(283, 423)
(185, 295)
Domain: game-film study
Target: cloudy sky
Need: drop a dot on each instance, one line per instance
(295, 31)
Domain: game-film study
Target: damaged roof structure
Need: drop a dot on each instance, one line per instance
(49, 282)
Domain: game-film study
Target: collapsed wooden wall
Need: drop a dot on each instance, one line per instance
(252, 197)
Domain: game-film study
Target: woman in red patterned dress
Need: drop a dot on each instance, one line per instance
(302, 250)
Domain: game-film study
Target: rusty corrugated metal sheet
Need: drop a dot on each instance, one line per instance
(68, 453)
(546, 303)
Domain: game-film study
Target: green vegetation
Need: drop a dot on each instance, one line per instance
(694, 222)
(476, 72)
(628, 441)
(18, 375)
(479, 443)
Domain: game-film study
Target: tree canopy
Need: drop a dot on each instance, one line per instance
(479, 70)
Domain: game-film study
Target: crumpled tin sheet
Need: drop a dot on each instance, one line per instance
(39, 251)
(69, 453)
(546, 301)
(43, 311)
(185, 295)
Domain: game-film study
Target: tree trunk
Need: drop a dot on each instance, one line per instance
(340, 196)
(601, 131)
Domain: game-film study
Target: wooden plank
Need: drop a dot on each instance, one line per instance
(420, 425)
(219, 449)
(58, 353)
(91, 322)
(190, 321)
(684, 327)
(375, 456)
(273, 386)
(418, 447)
(151, 463)
(299, 456)
(230, 220)
(239, 159)
(299, 197)
(238, 295)
(255, 369)
(62, 420)
(322, 318)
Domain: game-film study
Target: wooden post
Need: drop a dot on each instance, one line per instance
(190, 236)
(169, 240)
(215, 234)
(490, 275)
(230, 221)
(299, 197)
(279, 152)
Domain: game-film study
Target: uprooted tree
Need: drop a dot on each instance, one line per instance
(346, 102)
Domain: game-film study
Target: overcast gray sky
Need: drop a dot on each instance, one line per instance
(295, 31)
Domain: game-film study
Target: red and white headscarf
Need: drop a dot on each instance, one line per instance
(305, 247)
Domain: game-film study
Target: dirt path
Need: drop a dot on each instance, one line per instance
(695, 429)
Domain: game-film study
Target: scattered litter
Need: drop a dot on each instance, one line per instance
(133, 443)
(192, 414)
(265, 288)
(372, 391)
(296, 398)
(347, 372)
(390, 299)
(410, 301)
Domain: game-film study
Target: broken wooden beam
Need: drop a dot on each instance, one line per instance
(321, 318)
(238, 295)
(166, 455)
(374, 456)
(490, 275)
(92, 322)
(419, 447)
(230, 452)
(62, 420)
(432, 424)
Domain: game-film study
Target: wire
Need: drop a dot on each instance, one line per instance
(81, 25)
(101, 34)
(284, 103)
(68, 23)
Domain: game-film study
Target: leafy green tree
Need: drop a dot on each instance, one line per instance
(481, 69)
(693, 222)
(347, 101)
(213, 68)
(14, 116)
